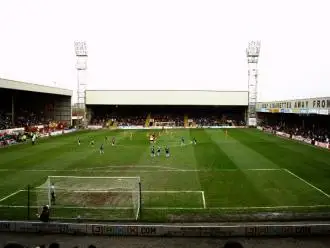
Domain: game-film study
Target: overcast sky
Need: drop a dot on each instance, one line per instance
(170, 44)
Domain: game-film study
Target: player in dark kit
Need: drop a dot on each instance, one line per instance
(106, 138)
(152, 151)
(34, 137)
(194, 141)
(158, 151)
(102, 149)
(182, 141)
(92, 142)
(52, 194)
(167, 151)
(79, 142)
(113, 141)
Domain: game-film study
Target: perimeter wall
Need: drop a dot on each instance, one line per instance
(175, 230)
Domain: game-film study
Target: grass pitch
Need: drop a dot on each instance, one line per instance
(246, 170)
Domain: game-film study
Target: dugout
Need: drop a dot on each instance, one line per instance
(191, 103)
(20, 98)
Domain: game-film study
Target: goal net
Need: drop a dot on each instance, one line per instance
(103, 198)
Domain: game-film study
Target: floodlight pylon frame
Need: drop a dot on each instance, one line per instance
(81, 67)
(252, 54)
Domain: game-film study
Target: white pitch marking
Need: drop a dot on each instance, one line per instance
(146, 191)
(269, 207)
(124, 191)
(204, 202)
(165, 170)
(309, 184)
(12, 194)
(134, 166)
(174, 208)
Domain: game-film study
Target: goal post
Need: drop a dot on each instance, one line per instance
(103, 198)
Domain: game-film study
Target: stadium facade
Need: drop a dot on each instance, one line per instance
(167, 97)
(53, 102)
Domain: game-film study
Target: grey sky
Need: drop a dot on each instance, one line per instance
(170, 44)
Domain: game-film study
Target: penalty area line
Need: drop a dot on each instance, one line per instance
(309, 184)
(270, 207)
(10, 195)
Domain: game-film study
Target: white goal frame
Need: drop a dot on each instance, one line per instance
(138, 190)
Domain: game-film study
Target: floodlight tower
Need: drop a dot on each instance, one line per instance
(81, 66)
(252, 53)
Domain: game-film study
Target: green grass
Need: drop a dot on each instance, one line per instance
(247, 171)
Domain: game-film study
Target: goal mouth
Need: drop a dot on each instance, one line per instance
(91, 197)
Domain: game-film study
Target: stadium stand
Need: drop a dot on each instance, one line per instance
(49, 110)
(173, 116)
(166, 108)
(306, 119)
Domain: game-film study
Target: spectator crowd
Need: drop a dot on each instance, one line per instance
(22, 118)
(313, 132)
(107, 121)
(24, 126)
(174, 120)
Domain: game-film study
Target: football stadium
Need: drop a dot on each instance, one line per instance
(162, 156)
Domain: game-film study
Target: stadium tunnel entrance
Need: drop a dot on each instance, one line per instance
(20, 108)
(161, 115)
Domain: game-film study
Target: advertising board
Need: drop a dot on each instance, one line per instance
(69, 130)
(313, 111)
(94, 127)
(278, 230)
(110, 230)
(41, 227)
(298, 138)
(322, 144)
(168, 230)
(13, 130)
(203, 231)
(6, 226)
(55, 133)
(323, 111)
(285, 135)
(149, 230)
